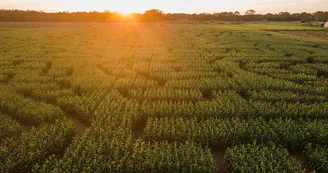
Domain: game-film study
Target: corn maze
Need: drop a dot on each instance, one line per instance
(163, 97)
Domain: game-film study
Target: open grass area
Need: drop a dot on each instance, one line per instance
(163, 97)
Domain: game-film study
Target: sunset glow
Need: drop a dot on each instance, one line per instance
(168, 6)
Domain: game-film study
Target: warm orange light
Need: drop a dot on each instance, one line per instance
(128, 16)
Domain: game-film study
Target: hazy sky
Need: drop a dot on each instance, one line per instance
(186, 6)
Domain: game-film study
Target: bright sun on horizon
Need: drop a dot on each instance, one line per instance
(168, 6)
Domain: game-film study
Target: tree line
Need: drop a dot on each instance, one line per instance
(154, 15)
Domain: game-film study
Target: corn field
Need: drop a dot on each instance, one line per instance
(133, 97)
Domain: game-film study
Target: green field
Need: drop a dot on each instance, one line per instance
(163, 97)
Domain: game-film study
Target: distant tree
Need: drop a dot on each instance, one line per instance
(237, 13)
(269, 17)
(306, 17)
(250, 12)
(321, 16)
(249, 15)
(205, 16)
(284, 16)
(153, 15)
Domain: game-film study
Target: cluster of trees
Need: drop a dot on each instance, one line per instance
(154, 15)
(65, 16)
(251, 15)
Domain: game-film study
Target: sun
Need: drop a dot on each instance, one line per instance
(126, 14)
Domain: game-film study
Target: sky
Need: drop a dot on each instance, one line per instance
(168, 6)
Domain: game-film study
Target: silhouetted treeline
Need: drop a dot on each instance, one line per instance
(235, 16)
(154, 15)
(39, 16)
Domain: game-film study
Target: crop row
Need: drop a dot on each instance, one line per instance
(317, 157)
(225, 104)
(294, 134)
(19, 154)
(8, 127)
(25, 110)
(260, 158)
(288, 96)
(109, 149)
(165, 94)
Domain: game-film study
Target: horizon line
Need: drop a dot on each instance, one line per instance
(241, 12)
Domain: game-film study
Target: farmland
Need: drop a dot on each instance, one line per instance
(163, 97)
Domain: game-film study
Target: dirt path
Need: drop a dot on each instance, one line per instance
(79, 126)
(218, 156)
(139, 131)
(300, 158)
